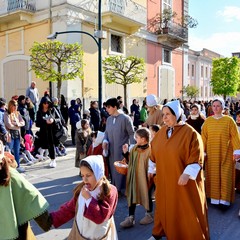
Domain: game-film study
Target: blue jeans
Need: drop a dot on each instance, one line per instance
(15, 146)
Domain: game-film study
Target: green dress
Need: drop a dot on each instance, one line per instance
(20, 203)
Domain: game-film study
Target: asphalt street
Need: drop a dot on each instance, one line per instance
(57, 184)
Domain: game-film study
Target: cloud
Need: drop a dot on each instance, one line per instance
(230, 13)
(224, 43)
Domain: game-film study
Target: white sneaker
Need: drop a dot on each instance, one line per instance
(20, 170)
(29, 163)
(39, 157)
(53, 164)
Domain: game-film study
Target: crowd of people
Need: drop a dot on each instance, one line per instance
(185, 154)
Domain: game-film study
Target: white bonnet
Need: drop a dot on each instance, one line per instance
(151, 100)
(175, 106)
(220, 100)
(78, 125)
(97, 165)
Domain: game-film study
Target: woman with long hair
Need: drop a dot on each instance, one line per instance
(13, 122)
(45, 121)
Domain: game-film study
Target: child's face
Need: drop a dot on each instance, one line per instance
(88, 178)
(238, 118)
(140, 140)
(86, 125)
(152, 133)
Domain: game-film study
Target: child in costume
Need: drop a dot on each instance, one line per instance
(137, 186)
(20, 203)
(96, 148)
(93, 204)
(83, 140)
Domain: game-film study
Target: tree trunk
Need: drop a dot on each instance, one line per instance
(125, 95)
(59, 86)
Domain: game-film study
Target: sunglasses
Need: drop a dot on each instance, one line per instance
(46, 103)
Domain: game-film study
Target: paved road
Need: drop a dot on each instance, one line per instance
(57, 184)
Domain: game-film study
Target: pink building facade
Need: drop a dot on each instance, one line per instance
(165, 50)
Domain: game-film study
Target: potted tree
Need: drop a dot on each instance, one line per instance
(167, 16)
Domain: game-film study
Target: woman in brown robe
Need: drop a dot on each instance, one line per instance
(177, 150)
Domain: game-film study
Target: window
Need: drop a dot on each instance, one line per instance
(188, 69)
(206, 72)
(167, 4)
(201, 71)
(167, 56)
(192, 70)
(117, 43)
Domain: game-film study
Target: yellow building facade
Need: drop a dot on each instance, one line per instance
(23, 22)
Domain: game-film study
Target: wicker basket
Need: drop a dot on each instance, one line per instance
(121, 167)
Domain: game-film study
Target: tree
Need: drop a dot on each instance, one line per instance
(225, 76)
(123, 71)
(56, 62)
(190, 91)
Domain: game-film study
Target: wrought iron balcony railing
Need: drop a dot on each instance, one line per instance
(7, 6)
(126, 8)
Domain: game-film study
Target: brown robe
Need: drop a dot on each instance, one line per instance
(181, 211)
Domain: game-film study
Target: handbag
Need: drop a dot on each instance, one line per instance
(61, 132)
(15, 134)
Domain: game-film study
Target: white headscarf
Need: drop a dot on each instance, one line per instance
(175, 106)
(220, 100)
(97, 165)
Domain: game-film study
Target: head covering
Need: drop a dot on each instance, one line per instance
(54, 99)
(78, 125)
(97, 165)
(87, 112)
(151, 100)
(196, 106)
(220, 100)
(175, 106)
(3, 100)
(45, 99)
(15, 97)
(99, 138)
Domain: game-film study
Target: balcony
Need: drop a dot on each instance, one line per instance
(125, 16)
(16, 10)
(173, 36)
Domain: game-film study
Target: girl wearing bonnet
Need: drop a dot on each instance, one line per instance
(93, 204)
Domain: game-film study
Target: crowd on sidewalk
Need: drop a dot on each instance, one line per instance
(185, 154)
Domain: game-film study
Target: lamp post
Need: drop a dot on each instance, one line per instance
(99, 34)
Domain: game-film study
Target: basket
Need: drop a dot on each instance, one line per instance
(121, 167)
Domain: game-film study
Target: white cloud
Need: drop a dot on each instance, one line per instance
(230, 13)
(222, 43)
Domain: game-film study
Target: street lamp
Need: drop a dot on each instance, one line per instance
(98, 34)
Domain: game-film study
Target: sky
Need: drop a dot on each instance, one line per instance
(218, 26)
